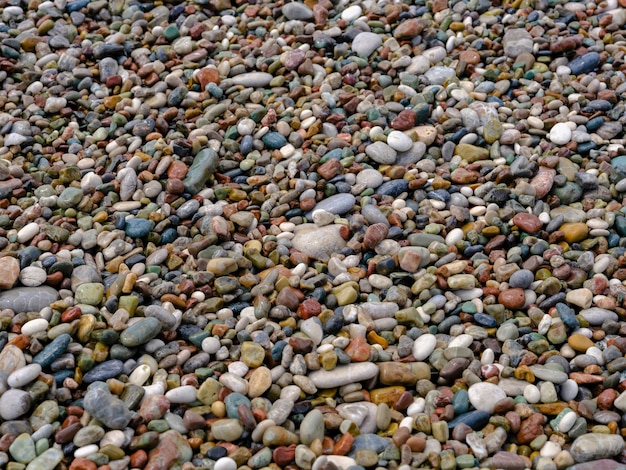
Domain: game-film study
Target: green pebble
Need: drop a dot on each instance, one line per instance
(171, 32)
(140, 332)
(23, 449)
(90, 293)
(158, 425)
(465, 461)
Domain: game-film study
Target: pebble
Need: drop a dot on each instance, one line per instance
(484, 396)
(311, 234)
(399, 141)
(596, 446)
(366, 43)
(23, 376)
(424, 346)
(318, 242)
(560, 134)
(343, 375)
(14, 403)
(253, 79)
(28, 299)
(9, 272)
(297, 11)
(381, 153)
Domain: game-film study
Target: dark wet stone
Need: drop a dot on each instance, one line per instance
(393, 188)
(585, 63)
(104, 371)
(201, 170)
(476, 419)
(53, 350)
(138, 228)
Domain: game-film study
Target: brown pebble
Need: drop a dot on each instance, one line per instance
(512, 298)
(529, 223)
(416, 443)
(531, 428)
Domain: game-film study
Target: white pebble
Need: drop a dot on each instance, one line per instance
(225, 463)
(560, 134)
(287, 227)
(567, 352)
(532, 393)
(550, 449)
(32, 276)
(140, 375)
(27, 232)
(569, 390)
(34, 326)
(211, 345)
(246, 126)
(595, 352)
(154, 389)
(86, 451)
(424, 346)
(454, 236)
(567, 421)
(184, 394)
(234, 382)
(238, 368)
(115, 438)
(407, 422)
(461, 341)
(399, 141)
(418, 406)
(601, 265)
(487, 356)
(24, 376)
(351, 13)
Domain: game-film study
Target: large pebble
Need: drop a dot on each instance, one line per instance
(596, 446)
(343, 375)
(484, 396)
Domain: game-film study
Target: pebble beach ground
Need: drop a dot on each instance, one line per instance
(312, 235)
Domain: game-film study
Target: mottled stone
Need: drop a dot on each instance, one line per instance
(596, 446)
(28, 299)
(318, 242)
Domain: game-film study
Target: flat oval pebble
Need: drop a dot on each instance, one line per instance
(366, 43)
(343, 375)
(24, 376)
(140, 332)
(338, 204)
(596, 446)
(484, 396)
(424, 346)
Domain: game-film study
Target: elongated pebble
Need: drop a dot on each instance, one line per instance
(53, 350)
(343, 375)
(27, 232)
(596, 446)
(484, 396)
(424, 346)
(184, 394)
(34, 326)
(86, 451)
(253, 79)
(48, 460)
(24, 376)
(285, 234)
